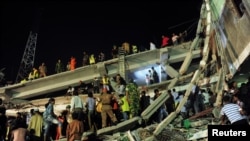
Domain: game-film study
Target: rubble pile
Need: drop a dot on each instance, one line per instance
(178, 130)
(171, 135)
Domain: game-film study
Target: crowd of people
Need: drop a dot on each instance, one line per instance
(83, 115)
(79, 116)
(92, 58)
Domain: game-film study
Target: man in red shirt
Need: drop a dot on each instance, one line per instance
(164, 42)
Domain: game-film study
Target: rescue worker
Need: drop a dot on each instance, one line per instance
(24, 80)
(124, 106)
(72, 63)
(133, 96)
(33, 74)
(92, 59)
(134, 49)
(105, 82)
(106, 99)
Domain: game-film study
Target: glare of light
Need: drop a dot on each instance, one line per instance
(141, 74)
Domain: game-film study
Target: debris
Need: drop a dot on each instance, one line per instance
(174, 135)
(130, 136)
(199, 135)
(199, 123)
(202, 113)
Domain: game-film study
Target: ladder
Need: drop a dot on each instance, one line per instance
(122, 63)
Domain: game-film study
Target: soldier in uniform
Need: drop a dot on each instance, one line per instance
(106, 99)
(133, 98)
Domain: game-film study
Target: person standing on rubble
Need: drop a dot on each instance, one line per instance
(90, 104)
(72, 63)
(105, 82)
(161, 113)
(175, 39)
(50, 118)
(59, 66)
(106, 99)
(70, 90)
(42, 70)
(233, 112)
(36, 125)
(75, 129)
(77, 105)
(165, 41)
(96, 85)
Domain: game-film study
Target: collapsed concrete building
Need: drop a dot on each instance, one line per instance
(225, 43)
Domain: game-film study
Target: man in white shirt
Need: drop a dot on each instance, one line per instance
(70, 90)
(233, 112)
(183, 111)
(152, 46)
(77, 105)
(175, 39)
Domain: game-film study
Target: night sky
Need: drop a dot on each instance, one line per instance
(67, 28)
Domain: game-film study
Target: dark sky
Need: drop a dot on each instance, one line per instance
(67, 28)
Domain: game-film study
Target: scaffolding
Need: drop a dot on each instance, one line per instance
(28, 58)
